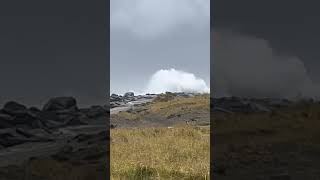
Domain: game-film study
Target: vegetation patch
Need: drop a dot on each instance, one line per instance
(181, 152)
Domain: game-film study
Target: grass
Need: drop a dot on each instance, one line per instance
(50, 169)
(167, 106)
(245, 137)
(160, 153)
(181, 152)
(54, 170)
(181, 105)
(128, 115)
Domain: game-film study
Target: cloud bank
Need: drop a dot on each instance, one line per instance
(172, 80)
(150, 18)
(247, 66)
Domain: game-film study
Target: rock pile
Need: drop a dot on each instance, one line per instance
(224, 104)
(119, 101)
(247, 105)
(19, 124)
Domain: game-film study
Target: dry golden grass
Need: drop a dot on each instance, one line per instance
(50, 169)
(251, 136)
(172, 106)
(181, 105)
(128, 115)
(282, 125)
(160, 153)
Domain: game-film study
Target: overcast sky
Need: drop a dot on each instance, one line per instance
(265, 47)
(53, 48)
(149, 35)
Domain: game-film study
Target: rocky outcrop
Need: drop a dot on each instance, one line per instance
(127, 98)
(19, 124)
(247, 105)
(14, 136)
(128, 95)
(14, 108)
(61, 103)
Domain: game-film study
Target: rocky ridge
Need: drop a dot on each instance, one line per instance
(223, 104)
(251, 105)
(20, 124)
(130, 98)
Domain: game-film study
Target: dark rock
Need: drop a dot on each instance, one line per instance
(34, 109)
(247, 105)
(128, 94)
(115, 97)
(15, 117)
(11, 141)
(5, 121)
(11, 137)
(60, 103)
(24, 133)
(26, 119)
(74, 122)
(14, 108)
(96, 111)
(47, 115)
(53, 120)
(83, 137)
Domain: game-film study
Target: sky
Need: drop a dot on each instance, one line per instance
(61, 47)
(54, 48)
(148, 36)
(265, 48)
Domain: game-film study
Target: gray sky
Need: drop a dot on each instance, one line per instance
(53, 48)
(149, 35)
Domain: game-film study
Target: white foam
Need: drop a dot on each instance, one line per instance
(172, 80)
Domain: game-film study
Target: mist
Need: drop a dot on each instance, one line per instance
(247, 66)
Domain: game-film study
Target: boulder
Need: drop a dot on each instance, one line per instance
(61, 103)
(14, 108)
(128, 94)
(53, 120)
(14, 114)
(115, 97)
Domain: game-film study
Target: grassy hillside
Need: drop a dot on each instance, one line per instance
(160, 153)
(155, 151)
(285, 141)
(168, 110)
